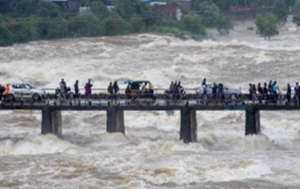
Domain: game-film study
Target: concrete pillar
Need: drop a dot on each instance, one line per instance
(120, 121)
(57, 123)
(252, 121)
(51, 122)
(46, 121)
(193, 117)
(115, 120)
(185, 125)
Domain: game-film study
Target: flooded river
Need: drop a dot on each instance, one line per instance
(150, 155)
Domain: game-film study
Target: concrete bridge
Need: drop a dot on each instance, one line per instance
(52, 118)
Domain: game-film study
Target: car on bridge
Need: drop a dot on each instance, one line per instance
(139, 89)
(228, 91)
(26, 91)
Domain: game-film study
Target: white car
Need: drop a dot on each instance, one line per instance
(229, 92)
(25, 91)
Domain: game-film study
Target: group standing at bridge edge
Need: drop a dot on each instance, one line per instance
(64, 92)
(272, 92)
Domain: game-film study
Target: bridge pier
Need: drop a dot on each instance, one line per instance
(115, 120)
(188, 125)
(51, 122)
(252, 121)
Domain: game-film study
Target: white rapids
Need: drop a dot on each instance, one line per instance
(150, 155)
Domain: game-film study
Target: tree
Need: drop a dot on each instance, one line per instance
(126, 8)
(148, 13)
(296, 13)
(267, 25)
(6, 37)
(47, 9)
(212, 16)
(115, 25)
(25, 32)
(23, 7)
(281, 10)
(17, 7)
(193, 23)
(210, 13)
(53, 28)
(98, 8)
(224, 25)
(136, 23)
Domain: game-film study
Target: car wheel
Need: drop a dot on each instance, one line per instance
(10, 97)
(36, 97)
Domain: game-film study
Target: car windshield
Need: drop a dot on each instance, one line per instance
(30, 86)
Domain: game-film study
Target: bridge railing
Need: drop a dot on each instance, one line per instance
(122, 90)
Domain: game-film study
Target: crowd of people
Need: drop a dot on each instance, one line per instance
(272, 92)
(176, 91)
(262, 91)
(113, 90)
(64, 92)
(217, 91)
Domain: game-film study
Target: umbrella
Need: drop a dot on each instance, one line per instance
(127, 81)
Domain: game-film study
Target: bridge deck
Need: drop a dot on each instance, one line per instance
(158, 105)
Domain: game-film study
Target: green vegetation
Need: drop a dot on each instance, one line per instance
(296, 13)
(22, 21)
(193, 24)
(267, 25)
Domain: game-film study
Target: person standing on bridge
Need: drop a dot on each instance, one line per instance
(62, 87)
(179, 85)
(288, 93)
(204, 95)
(116, 88)
(110, 90)
(204, 82)
(214, 91)
(265, 91)
(270, 86)
(2, 89)
(76, 89)
(90, 85)
(250, 92)
(222, 91)
(171, 86)
(127, 91)
(87, 91)
(274, 91)
(297, 92)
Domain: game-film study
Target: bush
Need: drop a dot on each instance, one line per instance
(126, 8)
(86, 26)
(115, 25)
(296, 13)
(99, 9)
(53, 28)
(25, 33)
(267, 25)
(193, 24)
(6, 37)
(281, 10)
(47, 9)
(136, 24)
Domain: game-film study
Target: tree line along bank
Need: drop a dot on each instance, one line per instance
(28, 20)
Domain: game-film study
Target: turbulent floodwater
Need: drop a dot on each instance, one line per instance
(150, 155)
